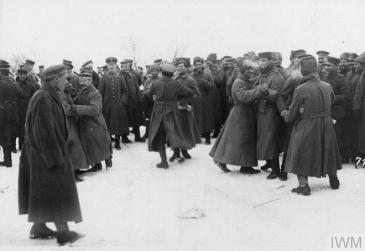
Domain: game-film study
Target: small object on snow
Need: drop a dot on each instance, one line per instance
(3, 190)
(193, 213)
(263, 203)
(280, 187)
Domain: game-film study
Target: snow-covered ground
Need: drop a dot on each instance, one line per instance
(135, 206)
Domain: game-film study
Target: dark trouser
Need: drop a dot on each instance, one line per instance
(283, 162)
(274, 164)
(7, 154)
(160, 142)
(339, 129)
(136, 132)
(206, 135)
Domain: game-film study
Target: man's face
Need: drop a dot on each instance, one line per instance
(126, 66)
(358, 67)
(112, 66)
(29, 67)
(343, 65)
(22, 76)
(68, 70)
(198, 66)
(85, 82)
(277, 61)
(154, 74)
(329, 67)
(181, 68)
(61, 82)
(264, 63)
(321, 59)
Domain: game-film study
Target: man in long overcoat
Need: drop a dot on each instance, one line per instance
(166, 118)
(268, 117)
(47, 190)
(94, 134)
(359, 105)
(10, 95)
(114, 92)
(236, 144)
(134, 105)
(313, 150)
(342, 97)
(204, 107)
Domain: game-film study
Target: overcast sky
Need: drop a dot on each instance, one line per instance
(79, 30)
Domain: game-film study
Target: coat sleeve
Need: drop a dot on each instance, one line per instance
(275, 88)
(287, 90)
(93, 109)
(184, 92)
(44, 133)
(207, 83)
(243, 94)
(124, 90)
(194, 87)
(296, 103)
(359, 94)
(67, 104)
(101, 86)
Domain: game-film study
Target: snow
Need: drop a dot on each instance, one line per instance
(136, 206)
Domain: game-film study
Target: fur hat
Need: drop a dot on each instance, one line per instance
(297, 53)
(322, 53)
(167, 67)
(345, 56)
(212, 57)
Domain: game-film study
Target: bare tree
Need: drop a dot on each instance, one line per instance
(15, 61)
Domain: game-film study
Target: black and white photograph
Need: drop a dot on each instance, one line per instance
(182, 125)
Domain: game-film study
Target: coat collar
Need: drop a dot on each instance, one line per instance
(53, 93)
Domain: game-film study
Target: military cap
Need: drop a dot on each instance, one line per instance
(345, 56)
(333, 60)
(87, 64)
(197, 59)
(153, 67)
(296, 53)
(353, 55)
(277, 55)
(266, 54)
(105, 67)
(308, 64)
(231, 60)
(212, 57)
(41, 66)
(167, 67)
(67, 63)
(29, 62)
(361, 58)
(85, 74)
(126, 61)
(322, 53)
(225, 57)
(53, 71)
(185, 61)
(111, 60)
(22, 70)
(158, 61)
(4, 65)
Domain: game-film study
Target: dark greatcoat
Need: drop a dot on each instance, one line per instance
(188, 121)
(95, 79)
(134, 105)
(94, 134)
(167, 92)
(46, 188)
(236, 143)
(114, 92)
(147, 100)
(219, 96)
(28, 89)
(313, 149)
(359, 105)
(204, 106)
(268, 117)
(10, 96)
(77, 153)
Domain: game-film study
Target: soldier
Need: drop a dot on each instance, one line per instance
(71, 77)
(204, 108)
(342, 97)
(351, 60)
(236, 144)
(94, 134)
(165, 119)
(344, 69)
(114, 92)
(322, 57)
(10, 94)
(278, 59)
(268, 117)
(40, 71)
(47, 191)
(32, 78)
(134, 105)
(359, 104)
(313, 148)
(88, 66)
(186, 107)
(28, 90)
